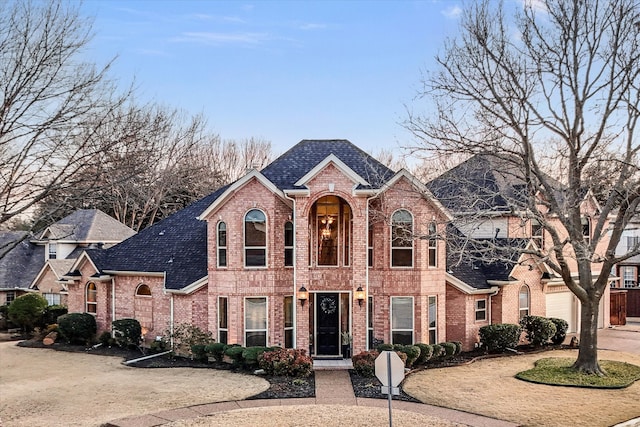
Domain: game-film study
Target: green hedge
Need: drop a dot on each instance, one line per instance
(426, 351)
(77, 328)
(561, 330)
(499, 337)
(127, 332)
(539, 330)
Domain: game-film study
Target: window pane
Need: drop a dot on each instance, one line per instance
(402, 229)
(402, 257)
(432, 314)
(402, 313)
(222, 234)
(92, 293)
(288, 257)
(223, 336)
(255, 234)
(288, 338)
(255, 257)
(288, 312)
(256, 339)
(402, 337)
(256, 313)
(222, 257)
(288, 234)
(222, 313)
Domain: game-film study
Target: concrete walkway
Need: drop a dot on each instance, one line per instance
(333, 387)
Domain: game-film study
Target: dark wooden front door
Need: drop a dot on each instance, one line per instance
(328, 324)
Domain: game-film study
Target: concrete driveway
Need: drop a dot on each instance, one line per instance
(621, 338)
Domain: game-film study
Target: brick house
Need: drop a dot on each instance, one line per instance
(325, 244)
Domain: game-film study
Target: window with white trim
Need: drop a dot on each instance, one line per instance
(433, 320)
(222, 244)
(481, 310)
(53, 250)
(288, 244)
(402, 320)
(524, 300)
(288, 322)
(10, 297)
(331, 216)
(402, 239)
(537, 233)
(433, 245)
(370, 246)
(586, 228)
(255, 239)
(628, 276)
(91, 298)
(633, 242)
(255, 321)
(52, 299)
(222, 320)
(370, 322)
(143, 290)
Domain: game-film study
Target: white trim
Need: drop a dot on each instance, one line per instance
(189, 289)
(413, 318)
(476, 310)
(391, 247)
(468, 289)
(332, 158)
(236, 186)
(244, 320)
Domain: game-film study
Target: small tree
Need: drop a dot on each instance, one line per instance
(27, 310)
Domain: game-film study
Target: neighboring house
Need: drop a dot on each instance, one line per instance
(37, 264)
(486, 195)
(324, 243)
(629, 270)
(19, 266)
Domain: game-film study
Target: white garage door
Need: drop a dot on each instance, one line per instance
(562, 306)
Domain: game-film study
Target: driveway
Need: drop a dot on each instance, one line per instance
(621, 338)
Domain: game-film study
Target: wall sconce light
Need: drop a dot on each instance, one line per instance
(360, 295)
(303, 295)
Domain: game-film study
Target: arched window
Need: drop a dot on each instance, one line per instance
(524, 301)
(402, 239)
(91, 298)
(255, 239)
(288, 244)
(143, 290)
(331, 217)
(222, 244)
(433, 245)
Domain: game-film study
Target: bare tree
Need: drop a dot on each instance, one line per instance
(50, 99)
(552, 92)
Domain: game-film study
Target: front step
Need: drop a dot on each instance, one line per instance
(332, 364)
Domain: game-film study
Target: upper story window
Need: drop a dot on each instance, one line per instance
(288, 244)
(524, 301)
(370, 246)
(143, 290)
(91, 298)
(632, 243)
(255, 239)
(537, 233)
(433, 245)
(53, 250)
(586, 229)
(222, 244)
(331, 216)
(402, 239)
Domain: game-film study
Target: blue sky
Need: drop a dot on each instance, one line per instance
(279, 71)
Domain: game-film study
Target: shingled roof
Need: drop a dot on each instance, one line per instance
(87, 225)
(176, 246)
(287, 169)
(20, 265)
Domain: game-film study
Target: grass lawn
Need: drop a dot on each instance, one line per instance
(558, 371)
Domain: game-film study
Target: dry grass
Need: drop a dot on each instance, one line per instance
(489, 387)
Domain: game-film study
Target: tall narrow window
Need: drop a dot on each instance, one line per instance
(288, 322)
(524, 301)
(288, 244)
(332, 219)
(537, 233)
(255, 239)
(370, 323)
(346, 234)
(222, 244)
(402, 320)
(370, 246)
(53, 250)
(402, 239)
(255, 322)
(223, 328)
(91, 298)
(433, 320)
(586, 229)
(433, 245)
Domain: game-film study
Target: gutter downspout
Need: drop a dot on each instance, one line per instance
(366, 280)
(295, 275)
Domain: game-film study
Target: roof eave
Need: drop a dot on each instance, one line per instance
(191, 288)
(468, 289)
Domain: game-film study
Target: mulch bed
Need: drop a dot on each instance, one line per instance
(280, 387)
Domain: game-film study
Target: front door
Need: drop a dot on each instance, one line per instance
(328, 324)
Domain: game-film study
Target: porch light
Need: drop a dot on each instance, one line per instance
(360, 295)
(303, 295)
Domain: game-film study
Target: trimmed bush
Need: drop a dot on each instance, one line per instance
(426, 351)
(198, 352)
(52, 312)
(27, 311)
(250, 356)
(216, 350)
(438, 352)
(449, 349)
(235, 354)
(458, 345)
(364, 363)
(539, 330)
(286, 362)
(127, 332)
(412, 352)
(499, 337)
(78, 328)
(384, 347)
(561, 330)
(106, 339)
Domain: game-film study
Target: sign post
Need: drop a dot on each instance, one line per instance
(390, 372)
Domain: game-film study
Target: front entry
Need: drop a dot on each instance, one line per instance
(327, 324)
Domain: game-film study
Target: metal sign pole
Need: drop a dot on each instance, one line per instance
(390, 386)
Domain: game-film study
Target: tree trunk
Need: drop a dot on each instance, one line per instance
(587, 361)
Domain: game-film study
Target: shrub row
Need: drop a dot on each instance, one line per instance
(538, 331)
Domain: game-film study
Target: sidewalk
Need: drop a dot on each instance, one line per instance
(333, 387)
